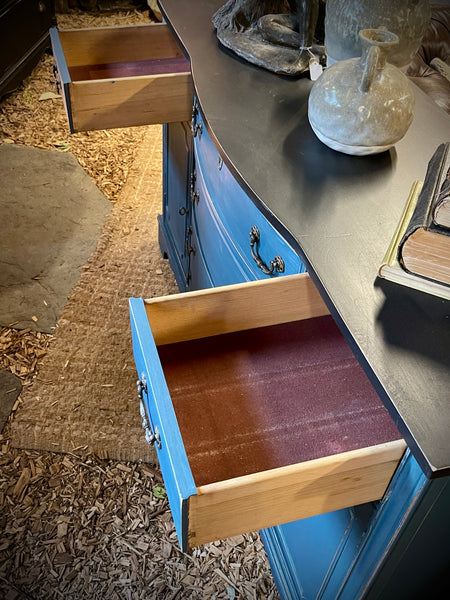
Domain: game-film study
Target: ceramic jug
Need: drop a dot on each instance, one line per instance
(344, 19)
(362, 105)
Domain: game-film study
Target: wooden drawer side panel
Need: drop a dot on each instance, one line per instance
(118, 44)
(237, 307)
(266, 499)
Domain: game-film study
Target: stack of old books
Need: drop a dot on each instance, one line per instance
(419, 253)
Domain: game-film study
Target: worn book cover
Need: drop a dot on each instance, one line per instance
(391, 268)
(435, 190)
(424, 249)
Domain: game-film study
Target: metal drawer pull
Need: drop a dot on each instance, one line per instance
(151, 438)
(277, 264)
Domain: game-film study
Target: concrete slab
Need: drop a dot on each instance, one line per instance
(51, 216)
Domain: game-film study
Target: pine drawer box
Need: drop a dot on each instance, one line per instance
(122, 76)
(259, 411)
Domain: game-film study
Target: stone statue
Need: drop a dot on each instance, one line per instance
(275, 34)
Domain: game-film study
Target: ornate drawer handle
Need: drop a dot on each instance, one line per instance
(152, 437)
(277, 264)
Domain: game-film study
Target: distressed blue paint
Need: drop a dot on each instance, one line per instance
(281, 555)
(234, 213)
(63, 71)
(172, 456)
(217, 251)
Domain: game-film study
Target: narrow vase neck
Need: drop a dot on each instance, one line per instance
(385, 41)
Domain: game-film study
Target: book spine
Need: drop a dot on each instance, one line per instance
(441, 210)
(423, 212)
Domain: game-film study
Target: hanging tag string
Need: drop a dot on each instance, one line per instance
(308, 49)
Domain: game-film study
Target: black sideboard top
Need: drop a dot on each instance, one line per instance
(340, 213)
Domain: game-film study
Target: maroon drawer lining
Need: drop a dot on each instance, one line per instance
(264, 398)
(130, 69)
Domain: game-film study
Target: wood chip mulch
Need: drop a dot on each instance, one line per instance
(71, 525)
(76, 527)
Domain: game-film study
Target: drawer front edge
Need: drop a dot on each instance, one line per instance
(172, 456)
(62, 76)
(131, 101)
(262, 500)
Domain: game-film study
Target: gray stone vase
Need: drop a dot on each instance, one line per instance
(362, 105)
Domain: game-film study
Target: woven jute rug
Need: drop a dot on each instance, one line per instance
(85, 393)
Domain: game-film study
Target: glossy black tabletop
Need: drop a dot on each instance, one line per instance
(340, 213)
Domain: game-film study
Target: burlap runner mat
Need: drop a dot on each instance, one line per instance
(85, 393)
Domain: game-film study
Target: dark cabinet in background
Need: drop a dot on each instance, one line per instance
(24, 31)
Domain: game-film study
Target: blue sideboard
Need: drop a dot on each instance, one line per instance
(394, 548)
(250, 195)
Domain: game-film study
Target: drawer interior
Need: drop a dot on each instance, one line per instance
(261, 399)
(127, 51)
(263, 414)
(122, 76)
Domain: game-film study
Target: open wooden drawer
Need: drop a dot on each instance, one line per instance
(122, 76)
(260, 412)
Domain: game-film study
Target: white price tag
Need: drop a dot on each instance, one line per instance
(315, 69)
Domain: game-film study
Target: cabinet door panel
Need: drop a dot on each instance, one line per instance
(306, 554)
(174, 222)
